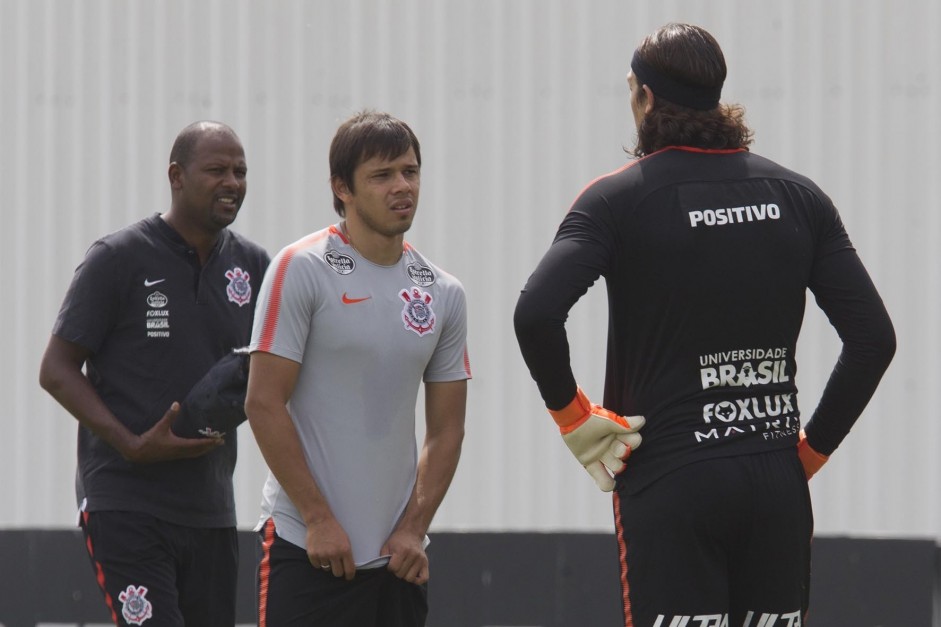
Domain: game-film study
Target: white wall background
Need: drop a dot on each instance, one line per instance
(518, 103)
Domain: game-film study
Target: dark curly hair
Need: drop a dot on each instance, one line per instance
(690, 55)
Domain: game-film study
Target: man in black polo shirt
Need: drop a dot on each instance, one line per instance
(707, 251)
(150, 309)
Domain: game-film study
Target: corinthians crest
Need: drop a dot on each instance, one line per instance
(135, 606)
(238, 289)
(417, 314)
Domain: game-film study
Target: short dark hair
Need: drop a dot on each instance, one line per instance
(184, 147)
(363, 136)
(691, 56)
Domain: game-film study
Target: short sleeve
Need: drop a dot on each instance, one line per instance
(285, 308)
(450, 361)
(91, 305)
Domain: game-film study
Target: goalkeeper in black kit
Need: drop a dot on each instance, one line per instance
(707, 251)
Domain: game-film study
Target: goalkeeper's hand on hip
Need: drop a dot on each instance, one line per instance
(811, 460)
(600, 439)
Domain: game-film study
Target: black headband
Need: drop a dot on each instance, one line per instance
(692, 96)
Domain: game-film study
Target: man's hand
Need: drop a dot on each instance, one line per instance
(61, 375)
(600, 439)
(160, 444)
(407, 558)
(811, 460)
(329, 548)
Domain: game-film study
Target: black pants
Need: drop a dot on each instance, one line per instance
(724, 541)
(293, 593)
(159, 574)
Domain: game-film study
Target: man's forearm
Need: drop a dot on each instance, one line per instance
(445, 407)
(62, 377)
(436, 467)
(281, 447)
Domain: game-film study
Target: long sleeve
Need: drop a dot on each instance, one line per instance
(847, 295)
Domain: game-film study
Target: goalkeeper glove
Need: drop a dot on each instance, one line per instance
(811, 460)
(600, 439)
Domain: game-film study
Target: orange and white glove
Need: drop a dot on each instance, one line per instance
(600, 439)
(811, 460)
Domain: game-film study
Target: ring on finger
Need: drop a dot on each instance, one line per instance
(325, 566)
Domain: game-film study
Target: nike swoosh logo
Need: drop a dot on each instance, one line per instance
(149, 283)
(350, 301)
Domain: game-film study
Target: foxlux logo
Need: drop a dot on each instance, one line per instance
(734, 215)
(748, 408)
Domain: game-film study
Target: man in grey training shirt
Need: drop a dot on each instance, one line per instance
(351, 320)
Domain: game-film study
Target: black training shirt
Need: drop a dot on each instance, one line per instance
(155, 322)
(707, 256)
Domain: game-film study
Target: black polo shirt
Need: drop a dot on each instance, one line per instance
(155, 322)
(707, 257)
